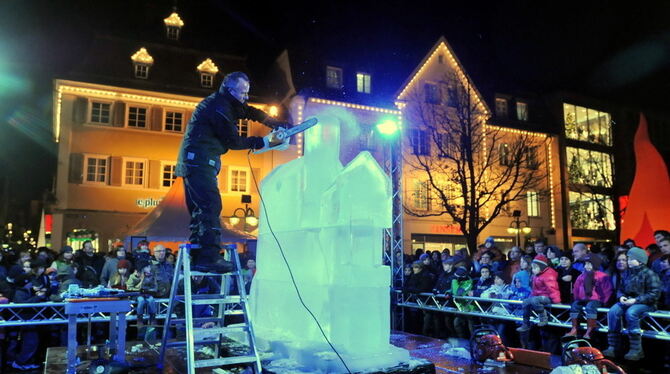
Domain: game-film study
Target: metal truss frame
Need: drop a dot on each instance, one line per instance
(656, 325)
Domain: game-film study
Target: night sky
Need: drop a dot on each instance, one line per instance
(614, 52)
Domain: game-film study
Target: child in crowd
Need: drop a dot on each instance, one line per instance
(544, 292)
(554, 256)
(637, 297)
(120, 278)
(144, 280)
(461, 285)
(592, 289)
(566, 277)
(499, 290)
(524, 273)
(484, 282)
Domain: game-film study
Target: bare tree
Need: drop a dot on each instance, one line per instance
(472, 171)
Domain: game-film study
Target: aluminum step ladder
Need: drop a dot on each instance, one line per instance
(225, 304)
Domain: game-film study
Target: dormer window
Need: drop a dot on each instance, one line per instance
(173, 25)
(142, 61)
(363, 82)
(207, 70)
(333, 77)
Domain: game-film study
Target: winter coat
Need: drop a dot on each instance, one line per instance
(108, 270)
(642, 284)
(482, 285)
(461, 287)
(546, 284)
(420, 282)
(565, 287)
(518, 294)
(497, 292)
(443, 284)
(665, 281)
(148, 285)
(602, 287)
(524, 276)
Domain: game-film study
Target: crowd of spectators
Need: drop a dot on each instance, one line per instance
(43, 275)
(629, 280)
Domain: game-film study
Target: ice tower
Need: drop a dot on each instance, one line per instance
(329, 221)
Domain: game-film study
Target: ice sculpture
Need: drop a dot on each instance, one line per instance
(329, 220)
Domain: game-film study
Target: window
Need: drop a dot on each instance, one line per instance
(503, 154)
(531, 158)
(432, 92)
(172, 32)
(137, 117)
(419, 142)
(100, 112)
(363, 82)
(420, 195)
(449, 146)
(174, 121)
(96, 169)
(134, 174)
(167, 174)
(501, 107)
(589, 211)
(243, 128)
(238, 180)
(533, 200)
(206, 80)
(587, 125)
(440, 59)
(521, 111)
(589, 167)
(141, 71)
(333, 77)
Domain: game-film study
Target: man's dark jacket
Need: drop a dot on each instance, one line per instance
(642, 284)
(212, 131)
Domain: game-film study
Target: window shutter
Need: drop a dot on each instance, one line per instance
(119, 117)
(223, 179)
(76, 168)
(156, 119)
(79, 110)
(252, 185)
(116, 178)
(155, 173)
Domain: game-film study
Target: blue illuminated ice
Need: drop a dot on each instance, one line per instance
(329, 220)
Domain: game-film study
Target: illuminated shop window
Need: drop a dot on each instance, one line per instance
(587, 125)
(589, 167)
(363, 81)
(590, 211)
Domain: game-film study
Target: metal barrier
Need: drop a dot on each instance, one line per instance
(656, 325)
(53, 313)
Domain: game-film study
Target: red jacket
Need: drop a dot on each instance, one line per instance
(602, 288)
(546, 284)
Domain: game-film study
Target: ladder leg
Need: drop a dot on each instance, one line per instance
(171, 304)
(190, 346)
(235, 258)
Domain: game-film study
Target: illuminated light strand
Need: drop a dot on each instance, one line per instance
(300, 139)
(174, 20)
(551, 185)
(516, 131)
(461, 76)
(354, 106)
(142, 56)
(59, 103)
(208, 66)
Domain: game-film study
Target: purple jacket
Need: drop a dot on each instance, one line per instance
(602, 287)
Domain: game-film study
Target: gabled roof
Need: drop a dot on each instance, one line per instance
(441, 44)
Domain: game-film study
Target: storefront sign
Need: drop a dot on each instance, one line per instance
(452, 229)
(148, 202)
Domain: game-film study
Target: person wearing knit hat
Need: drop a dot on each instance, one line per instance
(544, 292)
(592, 289)
(638, 295)
(120, 277)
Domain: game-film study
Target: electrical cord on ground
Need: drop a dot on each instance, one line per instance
(295, 285)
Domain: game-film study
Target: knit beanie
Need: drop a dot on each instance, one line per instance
(123, 264)
(638, 254)
(541, 261)
(461, 272)
(595, 260)
(423, 257)
(66, 248)
(491, 240)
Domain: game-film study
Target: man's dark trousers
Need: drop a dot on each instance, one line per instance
(204, 204)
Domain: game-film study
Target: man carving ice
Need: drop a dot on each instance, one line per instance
(210, 133)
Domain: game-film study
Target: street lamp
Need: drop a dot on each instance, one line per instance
(517, 226)
(247, 214)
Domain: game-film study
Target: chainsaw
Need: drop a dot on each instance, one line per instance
(281, 137)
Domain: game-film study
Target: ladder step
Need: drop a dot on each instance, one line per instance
(219, 330)
(224, 361)
(214, 296)
(181, 321)
(182, 343)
